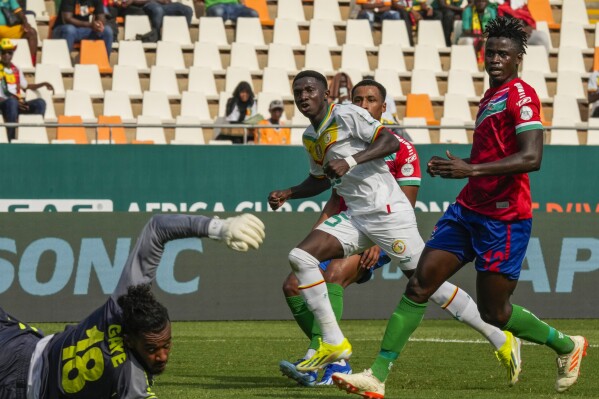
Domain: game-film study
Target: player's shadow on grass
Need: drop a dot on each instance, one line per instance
(232, 382)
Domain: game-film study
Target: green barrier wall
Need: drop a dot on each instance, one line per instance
(235, 178)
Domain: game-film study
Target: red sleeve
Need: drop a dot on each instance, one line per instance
(524, 107)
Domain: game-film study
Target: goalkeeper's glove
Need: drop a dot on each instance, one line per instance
(240, 233)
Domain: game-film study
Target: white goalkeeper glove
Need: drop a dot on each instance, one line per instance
(240, 233)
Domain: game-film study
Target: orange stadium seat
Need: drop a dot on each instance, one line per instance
(94, 52)
(541, 11)
(262, 8)
(420, 105)
(76, 133)
(116, 135)
(596, 60)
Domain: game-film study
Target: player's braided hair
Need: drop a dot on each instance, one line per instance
(142, 313)
(509, 28)
(371, 82)
(312, 74)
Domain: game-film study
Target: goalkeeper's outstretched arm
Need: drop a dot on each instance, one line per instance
(239, 233)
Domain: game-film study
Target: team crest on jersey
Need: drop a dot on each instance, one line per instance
(525, 113)
(407, 169)
(398, 246)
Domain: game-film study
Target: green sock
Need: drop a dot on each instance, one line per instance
(523, 324)
(336, 299)
(302, 315)
(404, 320)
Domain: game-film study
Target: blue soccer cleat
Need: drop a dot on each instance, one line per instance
(341, 367)
(307, 379)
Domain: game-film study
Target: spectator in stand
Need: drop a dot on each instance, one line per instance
(593, 96)
(242, 105)
(73, 23)
(340, 89)
(474, 21)
(412, 11)
(451, 10)
(155, 10)
(273, 135)
(376, 11)
(12, 89)
(228, 9)
(16, 25)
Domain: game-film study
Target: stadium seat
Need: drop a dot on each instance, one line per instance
(155, 103)
(424, 82)
(358, 32)
(164, 79)
(426, 57)
(570, 83)
(538, 82)
(354, 74)
(212, 30)
(150, 134)
(431, 33)
(566, 107)
(327, 9)
(572, 34)
(264, 100)
(131, 53)
(201, 80)
(596, 37)
(72, 134)
(390, 79)
(188, 135)
(249, 30)
(22, 56)
(395, 32)
(126, 79)
(208, 55)
(137, 25)
(391, 58)
(50, 73)
(418, 136)
(93, 52)
(234, 75)
(355, 57)
(456, 106)
(110, 135)
(281, 56)
(275, 80)
(175, 30)
(46, 95)
(322, 31)
(294, 9)
(222, 103)
(543, 29)
(563, 136)
(297, 132)
(3, 134)
(286, 31)
(39, 8)
(570, 59)
(574, 11)
(243, 55)
(460, 82)
(420, 106)
(56, 52)
(536, 59)
(318, 57)
(262, 8)
(79, 103)
(541, 11)
(463, 58)
(170, 54)
(31, 134)
(117, 103)
(452, 136)
(593, 132)
(87, 78)
(195, 104)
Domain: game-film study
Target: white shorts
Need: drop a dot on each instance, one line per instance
(396, 233)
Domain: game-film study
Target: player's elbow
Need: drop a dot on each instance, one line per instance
(532, 162)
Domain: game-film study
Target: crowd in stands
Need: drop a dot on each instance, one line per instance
(463, 22)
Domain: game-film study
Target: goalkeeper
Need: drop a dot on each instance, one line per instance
(117, 350)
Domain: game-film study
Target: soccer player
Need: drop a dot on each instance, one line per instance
(490, 223)
(340, 273)
(117, 350)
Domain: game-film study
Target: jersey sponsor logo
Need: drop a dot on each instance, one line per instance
(523, 101)
(398, 246)
(525, 113)
(411, 159)
(407, 169)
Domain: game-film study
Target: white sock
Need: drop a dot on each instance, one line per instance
(314, 290)
(311, 352)
(459, 304)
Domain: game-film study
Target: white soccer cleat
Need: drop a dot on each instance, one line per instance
(568, 365)
(241, 233)
(364, 384)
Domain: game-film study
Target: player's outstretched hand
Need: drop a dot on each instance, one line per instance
(241, 233)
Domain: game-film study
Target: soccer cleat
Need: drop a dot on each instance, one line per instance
(509, 356)
(326, 354)
(306, 379)
(341, 367)
(364, 384)
(568, 365)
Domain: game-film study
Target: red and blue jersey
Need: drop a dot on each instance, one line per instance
(504, 112)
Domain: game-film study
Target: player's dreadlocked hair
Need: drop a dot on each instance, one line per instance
(509, 28)
(371, 82)
(312, 74)
(142, 313)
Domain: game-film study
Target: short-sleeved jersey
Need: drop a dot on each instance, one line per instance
(368, 187)
(504, 112)
(404, 164)
(592, 87)
(81, 9)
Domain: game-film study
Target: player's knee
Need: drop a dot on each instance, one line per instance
(496, 316)
(290, 286)
(416, 292)
(300, 259)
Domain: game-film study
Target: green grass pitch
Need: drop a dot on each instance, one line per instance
(444, 359)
